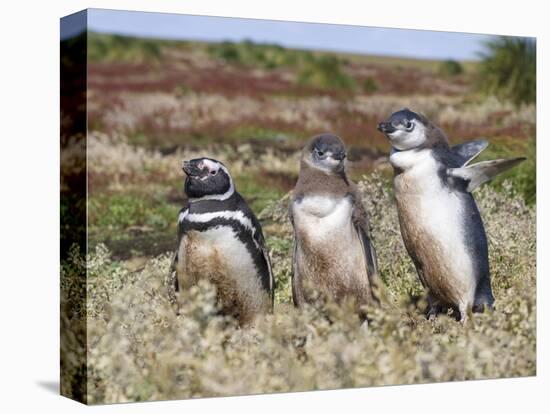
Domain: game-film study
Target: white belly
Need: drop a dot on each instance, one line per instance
(323, 219)
(431, 219)
(217, 254)
(328, 245)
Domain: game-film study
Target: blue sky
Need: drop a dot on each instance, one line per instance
(356, 39)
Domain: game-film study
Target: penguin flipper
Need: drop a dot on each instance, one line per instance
(272, 283)
(293, 268)
(260, 242)
(372, 264)
(476, 174)
(467, 151)
(294, 276)
(361, 224)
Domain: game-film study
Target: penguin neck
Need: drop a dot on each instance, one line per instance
(204, 205)
(312, 181)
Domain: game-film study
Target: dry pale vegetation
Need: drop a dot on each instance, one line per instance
(139, 349)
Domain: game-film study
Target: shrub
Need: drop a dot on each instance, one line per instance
(267, 56)
(103, 47)
(370, 85)
(227, 51)
(325, 72)
(450, 68)
(508, 69)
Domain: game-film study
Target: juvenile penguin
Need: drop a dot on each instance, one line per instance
(220, 239)
(333, 252)
(439, 219)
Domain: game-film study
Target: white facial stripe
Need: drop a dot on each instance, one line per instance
(404, 140)
(225, 214)
(213, 165)
(182, 215)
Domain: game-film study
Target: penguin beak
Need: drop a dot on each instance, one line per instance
(339, 156)
(185, 167)
(190, 169)
(386, 127)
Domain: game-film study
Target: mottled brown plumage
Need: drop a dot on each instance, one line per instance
(333, 253)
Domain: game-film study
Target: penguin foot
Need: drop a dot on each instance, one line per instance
(431, 315)
(481, 306)
(462, 314)
(365, 327)
(434, 309)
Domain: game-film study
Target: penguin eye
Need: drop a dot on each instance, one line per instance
(213, 172)
(319, 152)
(409, 125)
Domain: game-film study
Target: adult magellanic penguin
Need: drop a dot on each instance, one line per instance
(333, 252)
(439, 219)
(220, 239)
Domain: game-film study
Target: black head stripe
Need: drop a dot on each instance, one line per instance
(405, 115)
(202, 181)
(327, 142)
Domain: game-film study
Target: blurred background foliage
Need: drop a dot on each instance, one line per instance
(508, 69)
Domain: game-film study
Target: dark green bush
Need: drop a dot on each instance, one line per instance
(226, 50)
(450, 68)
(249, 53)
(325, 72)
(109, 48)
(317, 71)
(508, 69)
(370, 85)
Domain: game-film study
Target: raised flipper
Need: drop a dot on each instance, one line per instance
(467, 151)
(476, 174)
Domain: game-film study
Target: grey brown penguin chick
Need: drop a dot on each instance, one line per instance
(333, 252)
(220, 239)
(439, 219)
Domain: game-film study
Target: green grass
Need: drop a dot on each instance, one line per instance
(118, 212)
(522, 179)
(258, 194)
(118, 48)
